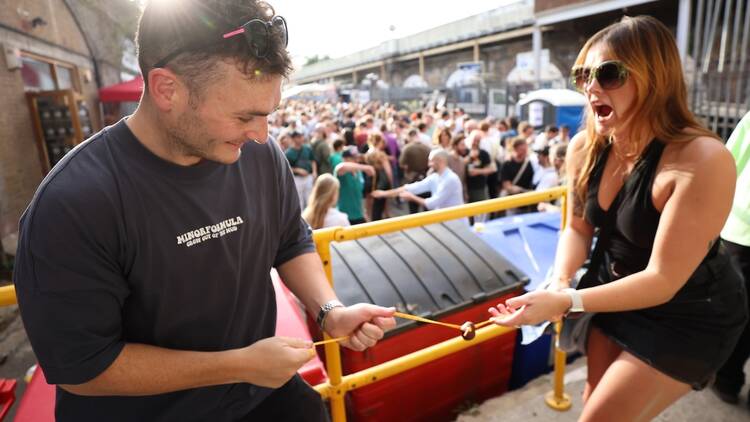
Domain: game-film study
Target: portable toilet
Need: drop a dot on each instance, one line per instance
(442, 272)
(553, 107)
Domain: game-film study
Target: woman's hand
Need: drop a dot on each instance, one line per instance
(531, 308)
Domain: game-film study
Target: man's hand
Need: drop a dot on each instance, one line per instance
(364, 323)
(273, 361)
(378, 193)
(408, 196)
(300, 172)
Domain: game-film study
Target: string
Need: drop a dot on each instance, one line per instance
(429, 321)
(414, 318)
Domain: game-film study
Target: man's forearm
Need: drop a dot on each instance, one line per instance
(142, 369)
(305, 277)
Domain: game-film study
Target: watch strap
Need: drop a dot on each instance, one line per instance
(324, 310)
(576, 302)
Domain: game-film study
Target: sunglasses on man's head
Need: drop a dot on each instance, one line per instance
(611, 74)
(258, 35)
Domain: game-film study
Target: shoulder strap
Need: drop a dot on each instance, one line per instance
(520, 171)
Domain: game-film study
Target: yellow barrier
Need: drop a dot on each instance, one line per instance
(337, 385)
(8, 295)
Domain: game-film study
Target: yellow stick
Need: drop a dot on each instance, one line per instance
(483, 323)
(330, 340)
(429, 321)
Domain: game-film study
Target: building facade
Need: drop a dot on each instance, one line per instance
(56, 52)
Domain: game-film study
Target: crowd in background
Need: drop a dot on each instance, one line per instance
(345, 157)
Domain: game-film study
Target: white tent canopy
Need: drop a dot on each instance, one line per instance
(556, 97)
(313, 89)
(415, 81)
(550, 73)
(463, 77)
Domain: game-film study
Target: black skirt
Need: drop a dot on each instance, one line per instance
(690, 337)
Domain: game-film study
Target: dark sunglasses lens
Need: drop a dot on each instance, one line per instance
(609, 76)
(280, 29)
(256, 34)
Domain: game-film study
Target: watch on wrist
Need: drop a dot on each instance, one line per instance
(324, 310)
(576, 302)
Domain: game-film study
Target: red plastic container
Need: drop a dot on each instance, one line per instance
(38, 401)
(290, 322)
(7, 396)
(436, 391)
(443, 272)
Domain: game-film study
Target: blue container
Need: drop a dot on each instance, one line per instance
(529, 241)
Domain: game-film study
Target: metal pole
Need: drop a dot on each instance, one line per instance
(697, 79)
(743, 58)
(724, 78)
(734, 58)
(711, 34)
(557, 399)
(536, 43)
(683, 26)
(724, 36)
(333, 353)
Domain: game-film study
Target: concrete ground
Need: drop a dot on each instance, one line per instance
(527, 403)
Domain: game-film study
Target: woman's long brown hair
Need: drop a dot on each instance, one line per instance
(648, 50)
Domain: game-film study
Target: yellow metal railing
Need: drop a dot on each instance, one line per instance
(337, 386)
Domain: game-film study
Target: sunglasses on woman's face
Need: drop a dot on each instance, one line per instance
(258, 34)
(611, 74)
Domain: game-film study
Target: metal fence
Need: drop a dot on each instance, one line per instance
(718, 70)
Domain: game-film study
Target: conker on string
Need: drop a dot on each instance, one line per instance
(468, 331)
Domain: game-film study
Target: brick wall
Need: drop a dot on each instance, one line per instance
(20, 168)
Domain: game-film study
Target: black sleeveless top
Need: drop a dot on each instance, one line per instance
(690, 336)
(636, 219)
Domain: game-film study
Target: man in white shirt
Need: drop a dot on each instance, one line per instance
(443, 184)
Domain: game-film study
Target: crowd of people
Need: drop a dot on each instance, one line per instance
(178, 213)
(431, 158)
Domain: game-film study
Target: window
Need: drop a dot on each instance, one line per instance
(37, 75)
(64, 77)
(40, 74)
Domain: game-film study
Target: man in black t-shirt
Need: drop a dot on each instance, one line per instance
(477, 169)
(142, 269)
(517, 173)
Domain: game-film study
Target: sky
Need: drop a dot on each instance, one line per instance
(340, 27)
(336, 28)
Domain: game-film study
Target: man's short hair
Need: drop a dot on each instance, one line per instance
(439, 153)
(544, 151)
(518, 141)
(198, 26)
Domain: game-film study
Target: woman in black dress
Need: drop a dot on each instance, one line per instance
(655, 188)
